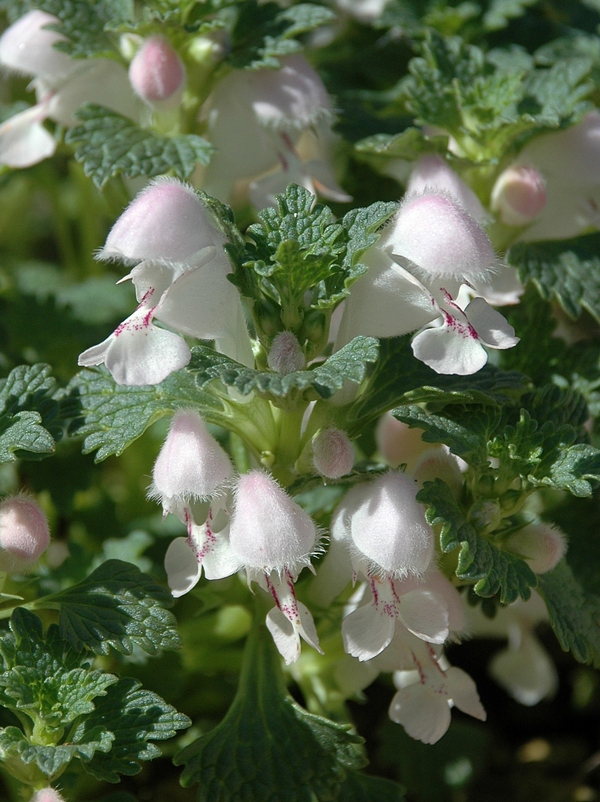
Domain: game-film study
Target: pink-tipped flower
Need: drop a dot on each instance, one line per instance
(439, 237)
(181, 281)
(286, 355)
(333, 453)
(431, 248)
(24, 533)
(166, 222)
(191, 465)
(519, 195)
(157, 73)
(269, 531)
(274, 539)
(541, 544)
(47, 795)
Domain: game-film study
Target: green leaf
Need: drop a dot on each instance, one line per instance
(359, 787)
(347, 364)
(117, 605)
(485, 106)
(51, 760)
(29, 414)
(135, 718)
(566, 270)
(267, 747)
(113, 415)
(265, 31)
(43, 677)
(574, 615)
(296, 245)
(46, 680)
(109, 144)
(480, 561)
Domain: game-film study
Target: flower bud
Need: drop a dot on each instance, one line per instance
(519, 195)
(191, 464)
(157, 73)
(47, 795)
(269, 531)
(439, 236)
(24, 533)
(286, 355)
(333, 453)
(541, 544)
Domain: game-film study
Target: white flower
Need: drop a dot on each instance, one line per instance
(385, 527)
(62, 85)
(416, 270)
(500, 286)
(423, 701)
(315, 175)
(190, 466)
(255, 119)
(454, 342)
(541, 544)
(274, 539)
(271, 538)
(524, 668)
(181, 280)
(47, 795)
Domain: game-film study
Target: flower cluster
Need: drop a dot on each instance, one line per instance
(249, 523)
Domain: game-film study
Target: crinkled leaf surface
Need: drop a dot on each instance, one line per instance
(267, 747)
(109, 145)
(135, 717)
(298, 247)
(112, 416)
(119, 606)
(574, 614)
(347, 364)
(480, 561)
(43, 676)
(565, 270)
(454, 86)
(29, 414)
